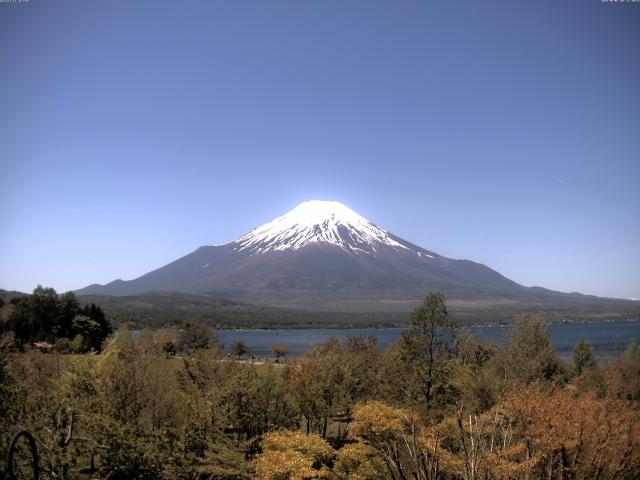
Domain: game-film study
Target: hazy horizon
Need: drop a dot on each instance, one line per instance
(503, 133)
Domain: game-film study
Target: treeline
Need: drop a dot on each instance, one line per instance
(436, 404)
(159, 309)
(54, 321)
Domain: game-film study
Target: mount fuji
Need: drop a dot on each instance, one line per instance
(324, 256)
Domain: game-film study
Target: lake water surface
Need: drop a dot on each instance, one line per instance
(608, 339)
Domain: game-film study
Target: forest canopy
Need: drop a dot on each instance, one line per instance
(54, 321)
(429, 406)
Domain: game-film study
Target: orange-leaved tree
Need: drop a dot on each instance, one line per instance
(563, 433)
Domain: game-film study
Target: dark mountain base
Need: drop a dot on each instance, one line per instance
(158, 309)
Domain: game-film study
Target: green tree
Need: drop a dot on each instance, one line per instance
(6, 311)
(7, 399)
(256, 401)
(361, 365)
(35, 317)
(318, 383)
(46, 316)
(582, 356)
(427, 346)
(196, 336)
(240, 348)
(105, 329)
(527, 355)
(68, 309)
(87, 334)
(136, 415)
(476, 384)
(45, 312)
(42, 407)
(330, 379)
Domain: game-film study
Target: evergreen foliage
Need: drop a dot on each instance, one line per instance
(582, 356)
(46, 316)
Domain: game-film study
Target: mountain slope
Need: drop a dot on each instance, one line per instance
(324, 256)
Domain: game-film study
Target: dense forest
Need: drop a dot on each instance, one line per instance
(54, 321)
(158, 309)
(436, 404)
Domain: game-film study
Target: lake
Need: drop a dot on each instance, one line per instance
(608, 339)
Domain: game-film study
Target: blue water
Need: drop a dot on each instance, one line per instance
(608, 339)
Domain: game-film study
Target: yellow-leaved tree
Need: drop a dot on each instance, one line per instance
(288, 455)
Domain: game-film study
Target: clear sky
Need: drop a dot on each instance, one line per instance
(505, 132)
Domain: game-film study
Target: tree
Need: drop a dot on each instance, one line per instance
(257, 401)
(7, 398)
(359, 461)
(408, 448)
(427, 345)
(527, 355)
(293, 456)
(136, 410)
(582, 356)
(361, 363)
(195, 336)
(328, 380)
(476, 384)
(104, 326)
(623, 375)
(6, 313)
(280, 351)
(44, 408)
(558, 434)
(69, 308)
(240, 348)
(46, 316)
(318, 383)
(45, 312)
(87, 334)
(35, 317)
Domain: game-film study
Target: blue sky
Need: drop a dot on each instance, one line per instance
(132, 132)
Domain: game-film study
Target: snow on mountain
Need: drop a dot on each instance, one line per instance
(317, 222)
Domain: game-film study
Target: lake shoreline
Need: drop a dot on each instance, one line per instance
(608, 338)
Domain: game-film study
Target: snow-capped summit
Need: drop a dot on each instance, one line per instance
(315, 222)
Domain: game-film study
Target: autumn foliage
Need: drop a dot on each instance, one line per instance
(437, 404)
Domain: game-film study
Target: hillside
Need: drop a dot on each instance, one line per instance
(156, 309)
(166, 308)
